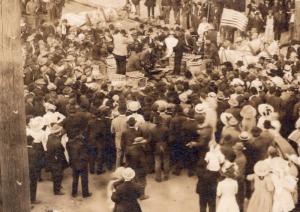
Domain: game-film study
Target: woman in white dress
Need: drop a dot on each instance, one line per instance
(285, 185)
(226, 192)
(269, 31)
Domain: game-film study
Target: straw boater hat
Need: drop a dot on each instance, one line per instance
(233, 102)
(262, 169)
(134, 106)
(118, 172)
(228, 119)
(265, 109)
(237, 82)
(200, 108)
(248, 112)
(244, 136)
(128, 174)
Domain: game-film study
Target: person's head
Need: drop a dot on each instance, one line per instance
(122, 109)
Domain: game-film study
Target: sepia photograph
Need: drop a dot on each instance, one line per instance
(149, 105)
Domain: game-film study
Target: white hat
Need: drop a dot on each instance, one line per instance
(134, 106)
(128, 174)
(212, 95)
(228, 119)
(261, 168)
(237, 82)
(248, 112)
(244, 136)
(233, 102)
(118, 172)
(200, 108)
(265, 109)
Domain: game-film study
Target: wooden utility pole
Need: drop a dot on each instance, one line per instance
(297, 20)
(13, 150)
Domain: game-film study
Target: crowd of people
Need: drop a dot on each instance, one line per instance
(38, 11)
(233, 125)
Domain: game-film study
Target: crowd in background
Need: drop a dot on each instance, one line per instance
(234, 125)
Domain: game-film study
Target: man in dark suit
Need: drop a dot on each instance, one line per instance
(33, 160)
(177, 142)
(190, 134)
(109, 145)
(279, 24)
(78, 153)
(206, 188)
(159, 138)
(56, 160)
(95, 143)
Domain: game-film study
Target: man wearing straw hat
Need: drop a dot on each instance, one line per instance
(127, 194)
(56, 160)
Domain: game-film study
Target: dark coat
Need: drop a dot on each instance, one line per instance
(128, 137)
(176, 125)
(159, 138)
(55, 157)
(126, 197)
(33, 159)
(95, 132)
(75, 124)
(136, 159)
(78, 153)
(150, 3)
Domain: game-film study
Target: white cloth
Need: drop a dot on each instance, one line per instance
(170, 42)
(120, 44)
(39, 136)
(269, 31)
(283, 199)
(226, 190)
(53, 118)
(214, 159)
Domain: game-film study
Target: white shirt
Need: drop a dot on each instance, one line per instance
(170, 42)
(214, 158)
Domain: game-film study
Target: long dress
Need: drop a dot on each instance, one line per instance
(262, 197)
(226, 190)
(283, 197)
(269, 31)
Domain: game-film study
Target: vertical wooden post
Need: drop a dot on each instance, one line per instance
(297, 20)
(13, 150)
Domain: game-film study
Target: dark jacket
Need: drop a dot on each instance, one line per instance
(78, 153)
(33, 159)
(126, 197)
(55, 156)
(159, 138)
(150, 3)
(95, 132)
(136, 159)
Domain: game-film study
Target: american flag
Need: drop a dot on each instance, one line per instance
(234, 18)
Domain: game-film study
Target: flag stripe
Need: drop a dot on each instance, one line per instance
(234, 19)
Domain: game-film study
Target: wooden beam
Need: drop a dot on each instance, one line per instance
(297, 20)
(13, 150)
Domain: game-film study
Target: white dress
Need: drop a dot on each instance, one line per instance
(226, 190)
(269, 31)
(283, 198)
